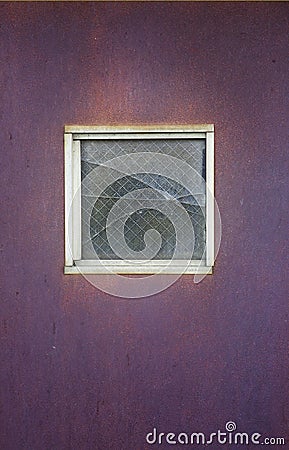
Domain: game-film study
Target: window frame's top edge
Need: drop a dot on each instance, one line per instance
(138, 129)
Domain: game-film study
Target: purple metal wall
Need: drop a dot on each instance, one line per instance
(80, 369)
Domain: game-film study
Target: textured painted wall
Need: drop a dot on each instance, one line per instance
(81, 369)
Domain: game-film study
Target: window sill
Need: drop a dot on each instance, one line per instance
(160, 267)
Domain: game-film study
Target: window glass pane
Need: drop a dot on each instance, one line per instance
(101, 192)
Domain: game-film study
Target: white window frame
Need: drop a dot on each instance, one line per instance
(73, 134)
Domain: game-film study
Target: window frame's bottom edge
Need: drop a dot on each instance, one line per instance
(129, 270)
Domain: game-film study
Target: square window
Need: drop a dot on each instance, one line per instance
(139, 200)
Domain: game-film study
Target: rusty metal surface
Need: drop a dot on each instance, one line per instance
(80, 369)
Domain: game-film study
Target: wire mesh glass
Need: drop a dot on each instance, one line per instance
(133, 189)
